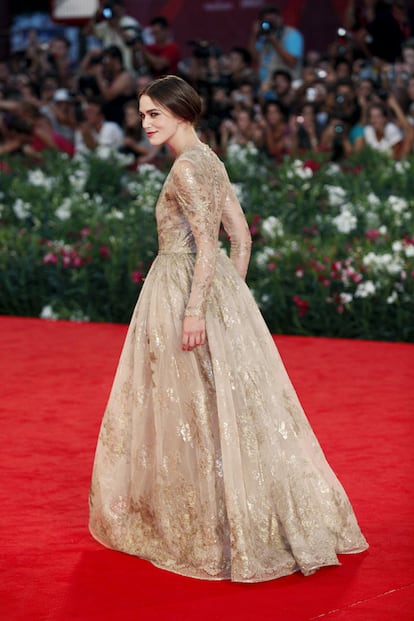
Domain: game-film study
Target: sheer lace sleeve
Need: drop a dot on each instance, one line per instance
(196, 198)
(236, 227)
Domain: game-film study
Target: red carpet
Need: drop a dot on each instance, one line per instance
(55, 378)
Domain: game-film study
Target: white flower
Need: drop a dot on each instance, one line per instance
(371, 219)
(397, 246)
(333, 169)
(64, 211)
(365, 289)
(143, 168)
(397, 203)
(134, 187)
(47, 312)
(382, 229)
(345, 298)
(21, 209)
(409, 251)
(262, 257)
(78, 315)
(272, 227)
(124, 159)
(78, 179)
(299, 170)
(392, 298)
(38, 178)
(336, 195)
(373, 199)
(383, 263)
(345, 222)
(238, 190)
(116, 214)
(240, 154)
(147, 205)
(401, 167)
(265, 299)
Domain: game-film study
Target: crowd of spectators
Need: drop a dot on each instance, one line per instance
(271, 90)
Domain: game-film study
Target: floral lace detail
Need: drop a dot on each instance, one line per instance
(206, 464)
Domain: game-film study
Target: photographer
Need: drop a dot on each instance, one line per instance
(109, 79)
(162, 56)
(275, 46)
(335, 139)
(112, 27)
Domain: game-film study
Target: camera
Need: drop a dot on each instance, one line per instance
(266, 28)
(311, 94)
(107, 12)
(339, 129)
(341, 33)
(133, 36)
(96, 59)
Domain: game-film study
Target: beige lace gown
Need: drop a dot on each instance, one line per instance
(206, 464)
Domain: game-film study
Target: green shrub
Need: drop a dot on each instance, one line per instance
(333, 250)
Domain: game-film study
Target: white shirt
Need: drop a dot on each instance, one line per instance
(392, 136)
(108, 139)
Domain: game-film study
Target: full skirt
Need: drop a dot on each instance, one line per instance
(206, 464)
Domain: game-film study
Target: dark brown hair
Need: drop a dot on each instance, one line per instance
(177, 95)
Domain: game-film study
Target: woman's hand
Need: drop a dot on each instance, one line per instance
(194, 333)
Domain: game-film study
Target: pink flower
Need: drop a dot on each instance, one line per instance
(76, 260)
(312, 164)
(104, 252)
(50, 257)
(271, 267)
(85, 232)
(137, 277)
(301, 305)
(372, 234)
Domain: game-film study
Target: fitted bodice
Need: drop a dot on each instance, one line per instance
(196, 197)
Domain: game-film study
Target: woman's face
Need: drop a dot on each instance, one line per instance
(243, 120)
(158, 122)
(377, 119)
(131, 116)
(273, 115)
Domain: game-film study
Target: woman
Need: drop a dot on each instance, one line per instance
(276, 130)
(243, 130)
(206, 464)
(382, 134)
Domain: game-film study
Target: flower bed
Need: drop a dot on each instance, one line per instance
(333, 250)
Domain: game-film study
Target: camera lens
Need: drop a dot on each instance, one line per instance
(265, 27)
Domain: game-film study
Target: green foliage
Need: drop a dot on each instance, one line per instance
(333, 250)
